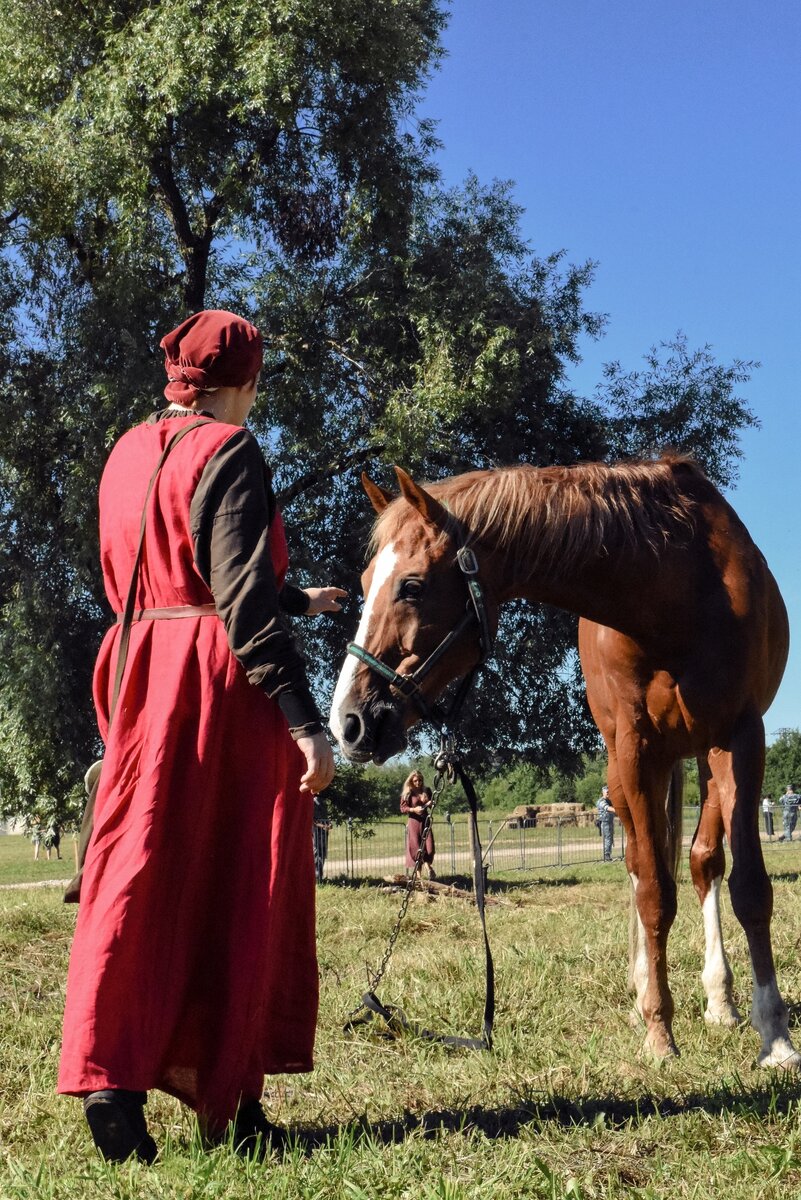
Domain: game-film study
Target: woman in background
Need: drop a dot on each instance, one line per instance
(415, 804)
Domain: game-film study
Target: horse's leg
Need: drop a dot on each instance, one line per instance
(737, 771)
(638, 962)
(707, 864)
(644, 785)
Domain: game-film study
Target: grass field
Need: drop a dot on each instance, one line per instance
(565, 1106)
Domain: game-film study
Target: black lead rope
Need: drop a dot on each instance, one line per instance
(479, 886)
(448, 764)
(395, 1019)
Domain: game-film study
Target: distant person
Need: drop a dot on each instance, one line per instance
(605, 821)
(415, 803)
(36, 836)
(767, 814)
(321, 827)
(52, 839)
(790, 802)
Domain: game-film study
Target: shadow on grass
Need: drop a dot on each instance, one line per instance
(498, 887)
(609, 1112)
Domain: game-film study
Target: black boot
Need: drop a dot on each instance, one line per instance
(117, 1121)
(253, 1133)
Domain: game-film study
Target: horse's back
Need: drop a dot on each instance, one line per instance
(719, 640)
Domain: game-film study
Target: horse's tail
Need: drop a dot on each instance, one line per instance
(674, 818)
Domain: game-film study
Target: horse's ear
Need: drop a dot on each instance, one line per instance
(379, 498)
(430, 509)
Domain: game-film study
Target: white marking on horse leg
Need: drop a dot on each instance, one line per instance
(716, 976)
(639, 955)
(382, 571)
(769, 1018)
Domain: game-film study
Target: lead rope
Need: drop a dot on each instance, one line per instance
(448, 768)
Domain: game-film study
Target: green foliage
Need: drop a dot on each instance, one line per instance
(783, 763)
(692, 789)
(160, 157)
(519, 784)
(362, 793)
(591, 780)
(683, 401)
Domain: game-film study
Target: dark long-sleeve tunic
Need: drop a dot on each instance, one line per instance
(230, 514)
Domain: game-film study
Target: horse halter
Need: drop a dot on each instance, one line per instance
(408, 686)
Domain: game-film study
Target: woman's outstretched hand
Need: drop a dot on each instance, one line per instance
(319, 762)
(323, 600)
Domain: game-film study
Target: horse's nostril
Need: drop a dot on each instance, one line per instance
(352, 729)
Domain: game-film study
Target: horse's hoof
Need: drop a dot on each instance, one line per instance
(660, 1045)
(782, 1056)
(728, 1018)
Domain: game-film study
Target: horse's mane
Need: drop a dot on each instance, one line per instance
(565, 514)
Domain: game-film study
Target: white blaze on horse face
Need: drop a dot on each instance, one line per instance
(383, 569)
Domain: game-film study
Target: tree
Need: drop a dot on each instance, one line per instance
(685, 401)
(159, 157)
(783, 763)
(518, 784)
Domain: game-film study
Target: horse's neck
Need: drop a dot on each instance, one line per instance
(616, 589)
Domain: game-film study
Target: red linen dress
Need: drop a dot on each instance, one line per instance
(193, 967)
(414, 830)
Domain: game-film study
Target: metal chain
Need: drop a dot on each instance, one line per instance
(444, 765)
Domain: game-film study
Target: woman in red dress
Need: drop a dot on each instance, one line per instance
(415, 803)
(193, 967)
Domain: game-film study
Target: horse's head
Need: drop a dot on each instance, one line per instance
(416, 594)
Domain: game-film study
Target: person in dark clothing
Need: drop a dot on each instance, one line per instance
(321, 828)
(52, 839)
(790, 802)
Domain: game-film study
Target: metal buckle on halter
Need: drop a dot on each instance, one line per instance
(467, 560)
(406, 685)
(446, 760)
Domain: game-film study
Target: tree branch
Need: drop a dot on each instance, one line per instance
(162, 166)
(86, 258)
(312, 479)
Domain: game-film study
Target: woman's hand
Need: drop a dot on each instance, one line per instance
(319, 762)
(324, 600)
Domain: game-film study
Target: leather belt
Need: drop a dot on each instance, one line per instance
(171, 614)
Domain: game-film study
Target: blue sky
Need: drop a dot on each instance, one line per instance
(660, 140)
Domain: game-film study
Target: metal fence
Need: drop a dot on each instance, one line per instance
(363, 852)
(377, 850)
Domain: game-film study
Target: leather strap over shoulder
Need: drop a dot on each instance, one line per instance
(72, 894)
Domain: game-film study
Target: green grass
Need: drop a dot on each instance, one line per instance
(565, 1106)
(17, 863)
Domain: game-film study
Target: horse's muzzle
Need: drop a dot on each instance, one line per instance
(373, 734)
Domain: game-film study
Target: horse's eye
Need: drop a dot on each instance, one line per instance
(410, 590)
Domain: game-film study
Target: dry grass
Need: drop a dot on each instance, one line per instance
(564, 1107)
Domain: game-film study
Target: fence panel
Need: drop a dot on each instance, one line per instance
(364, 852)
(378, 850)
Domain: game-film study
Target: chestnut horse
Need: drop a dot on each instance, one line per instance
(683, 640)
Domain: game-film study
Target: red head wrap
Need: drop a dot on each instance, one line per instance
(210, 350)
